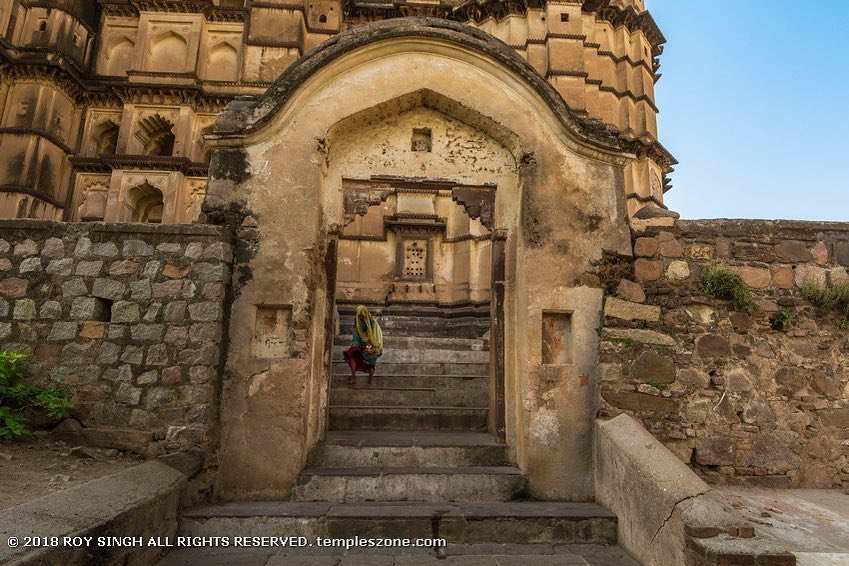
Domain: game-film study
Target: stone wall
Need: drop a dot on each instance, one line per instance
(126, 318)
(737, 399)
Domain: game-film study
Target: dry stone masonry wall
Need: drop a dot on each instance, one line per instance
(734, 397)
(126, 318)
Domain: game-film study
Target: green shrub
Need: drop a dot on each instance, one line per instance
(781, 320)
(18, 399)
(828, 298)
(720, 281)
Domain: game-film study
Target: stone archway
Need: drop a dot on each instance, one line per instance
(273, 160)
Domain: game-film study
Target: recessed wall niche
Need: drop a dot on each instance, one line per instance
(272, 332)
(422, 139)
(557, 338)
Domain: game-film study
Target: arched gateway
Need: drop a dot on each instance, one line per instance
(392, 130)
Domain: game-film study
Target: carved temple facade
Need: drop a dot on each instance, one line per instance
(104, 105)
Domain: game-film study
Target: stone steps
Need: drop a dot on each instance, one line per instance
(383, 417)
(422, 343)
(409, 380)
(407, 449)
(459, 523)
(409, 396)
(428, 368)
(422, 355)
(453, 555)
(492, 483)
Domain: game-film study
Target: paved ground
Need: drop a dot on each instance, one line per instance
(496, 555)
(812, 523)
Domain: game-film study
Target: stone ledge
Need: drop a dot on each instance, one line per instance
(142, 501)
(666, 513)
(113, 227)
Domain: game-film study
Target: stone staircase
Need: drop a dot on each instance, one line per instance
(409, 457)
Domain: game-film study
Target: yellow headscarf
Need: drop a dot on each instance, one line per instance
(369, 330)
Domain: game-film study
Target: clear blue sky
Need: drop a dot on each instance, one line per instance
(754, 103)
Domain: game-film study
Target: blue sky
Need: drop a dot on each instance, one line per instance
(754, 103)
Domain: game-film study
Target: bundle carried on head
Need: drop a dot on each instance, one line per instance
(368, 329)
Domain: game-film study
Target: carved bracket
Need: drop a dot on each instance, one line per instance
(479, 203)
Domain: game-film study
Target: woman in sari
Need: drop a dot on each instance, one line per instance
(367, 346)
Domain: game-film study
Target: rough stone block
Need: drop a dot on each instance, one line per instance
(713, 346)
(75, 287)
(54, 248)
(755, 277)
(648, 270)
(152, 268)
(30, 265)
(157, 355)
(108, 353)
(207, 311)
(26, 248)
(125, 312)
(63, 331)
(105, 249)
(176, 272)
(645, 247)
(790, 251)
(625, 310)
(627, 290)
(194, 250)
(671, 248)
(132, 355)
(841, 253)
(61, 267)
(83, 247)
(640, 336)
(25, 309)
(123, 267)
(93, 330)
(108, 289)
(169, 248)
(147, 332)
(14, 287)
(148, 377)
(89, 268)
(4, 308)
(218, 251)
(5, 264)
(175, 311)
(208, 272)
(136, 248)
(158, 397)
(140, 290)
(5, 330)
(716, 451)
(88, 308)
(127, 394)
(50, 310)
(810, 275)
(678, 271)
(653, 367)
(782, 277)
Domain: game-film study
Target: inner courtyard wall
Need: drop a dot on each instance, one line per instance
(736, 395)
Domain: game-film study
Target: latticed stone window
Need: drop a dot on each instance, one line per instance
(415, 259)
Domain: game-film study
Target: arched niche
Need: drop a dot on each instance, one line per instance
(223, 63)
(146, 203)
(105, 138)
(118, 56)
(154, 136)
(168, 53)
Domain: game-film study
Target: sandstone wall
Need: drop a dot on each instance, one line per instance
(126, 318)
(735, 398)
